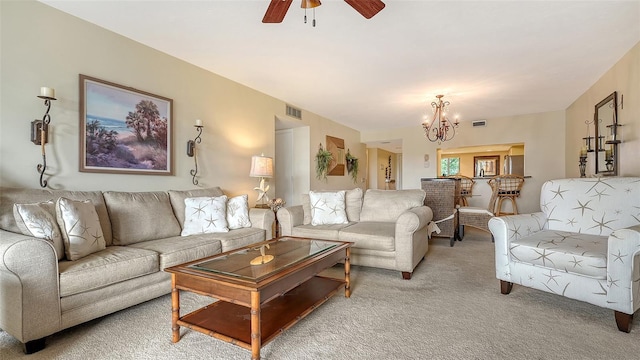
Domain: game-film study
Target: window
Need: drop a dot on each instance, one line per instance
(450, 166)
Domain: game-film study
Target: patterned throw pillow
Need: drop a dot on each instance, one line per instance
(238, 212)
(204, 215)
(328, 208)
(80, 228)
(38, 220)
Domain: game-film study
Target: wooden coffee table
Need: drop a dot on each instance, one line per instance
(258, 302)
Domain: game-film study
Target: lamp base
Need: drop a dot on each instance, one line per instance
(259, 260)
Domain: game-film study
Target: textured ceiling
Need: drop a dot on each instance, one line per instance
(489, 58)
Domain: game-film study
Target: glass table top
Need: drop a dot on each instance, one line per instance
(286, 252)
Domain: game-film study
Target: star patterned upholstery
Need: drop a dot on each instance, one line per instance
(584, 244)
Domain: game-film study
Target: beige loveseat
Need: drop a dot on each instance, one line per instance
(388, 227)
(41, 295)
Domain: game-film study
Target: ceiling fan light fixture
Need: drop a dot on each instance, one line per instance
(309, 4)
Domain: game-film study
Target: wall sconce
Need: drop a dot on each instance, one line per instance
(40, 130)
(191, 150)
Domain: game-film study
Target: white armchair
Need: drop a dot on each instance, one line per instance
(584, 244)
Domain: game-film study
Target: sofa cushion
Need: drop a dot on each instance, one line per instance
(240, 237)
(80, 228)
(177, 199)
(106, 267)
(10, 196)
(205, 215)
(238, 212)
(140, 216)
(582, 254)
(387, 205)
(370, 235)
(39, 220)
(326, 232)
(353, 200)
(328, 208)
(180, 249)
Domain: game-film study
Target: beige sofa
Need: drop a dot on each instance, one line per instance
(41, 295)
(388, 227)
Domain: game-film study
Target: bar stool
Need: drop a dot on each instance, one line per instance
(505, 187)
(466, 189)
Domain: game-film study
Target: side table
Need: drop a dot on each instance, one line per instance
(275, 230)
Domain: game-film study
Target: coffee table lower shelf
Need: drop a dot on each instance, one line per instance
(232, 323)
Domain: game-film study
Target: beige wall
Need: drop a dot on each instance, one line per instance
(41, 46)
(623, 77)
(543, 136)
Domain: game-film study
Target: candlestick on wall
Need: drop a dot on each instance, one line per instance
(40, 130)
(582, 165)
(191, 150)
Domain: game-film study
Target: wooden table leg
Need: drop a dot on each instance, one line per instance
(175, 310)
(347, 274)
(256, 336)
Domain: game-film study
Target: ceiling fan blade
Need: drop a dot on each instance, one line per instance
(276, 11)
(367, 8)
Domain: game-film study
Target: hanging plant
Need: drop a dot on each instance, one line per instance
(352, 166)
(323, 159)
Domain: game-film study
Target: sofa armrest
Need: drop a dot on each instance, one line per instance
(290, 217)
(508, 228)
(29, 287)
(411, 242)
(262, 219)
(414, 219)
(623, 270)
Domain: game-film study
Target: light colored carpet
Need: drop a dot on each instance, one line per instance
(451, 309)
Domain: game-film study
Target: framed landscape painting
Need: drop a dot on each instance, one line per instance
(124, 130)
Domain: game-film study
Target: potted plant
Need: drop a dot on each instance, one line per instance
(352, 166)
(323, 159)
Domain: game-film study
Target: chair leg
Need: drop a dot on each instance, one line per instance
(499, 207)
(515, 206)
(406, 275)
(623, 321)
(505, 287)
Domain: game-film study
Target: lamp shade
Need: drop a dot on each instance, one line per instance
(261, 166)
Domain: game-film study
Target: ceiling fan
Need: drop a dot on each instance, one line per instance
(278, 8)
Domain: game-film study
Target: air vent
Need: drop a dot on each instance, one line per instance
(479, 123)
(293, 112)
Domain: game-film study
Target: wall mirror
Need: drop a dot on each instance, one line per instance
(606, 139)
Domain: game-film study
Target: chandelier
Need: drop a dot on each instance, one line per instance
(440, 128)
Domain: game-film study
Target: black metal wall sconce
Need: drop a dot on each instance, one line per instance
(40, 130)
(191, 150)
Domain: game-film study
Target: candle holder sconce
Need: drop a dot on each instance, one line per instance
(583, 165)
(191, 150)
(588, 145)
(40, 131)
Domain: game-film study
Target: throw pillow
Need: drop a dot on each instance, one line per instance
(204, 215)
(80, 228)
(238, 212)
(353, 200)
(37, 220)
(328, 208)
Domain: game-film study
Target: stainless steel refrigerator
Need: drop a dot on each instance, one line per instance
(514, 164)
